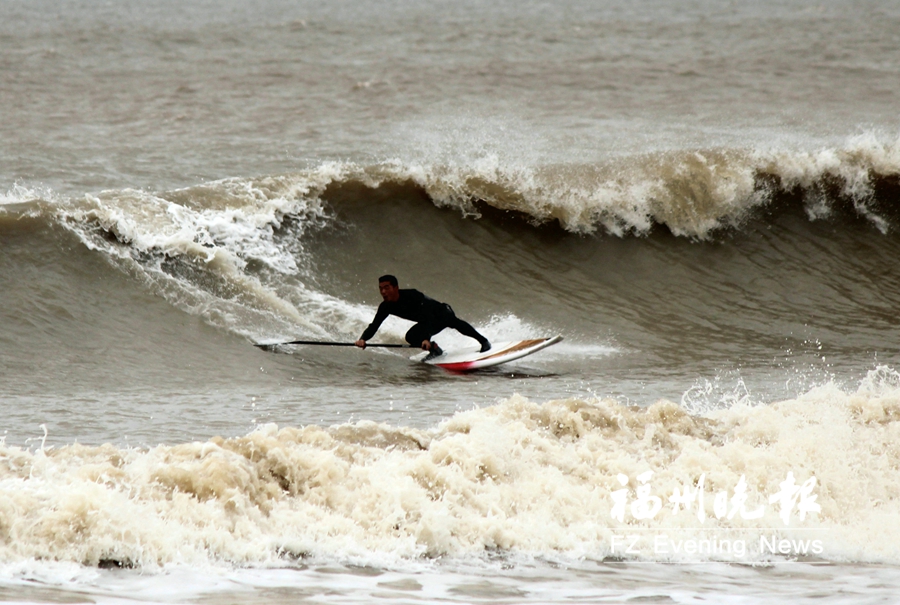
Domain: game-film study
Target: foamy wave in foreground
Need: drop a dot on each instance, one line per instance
(519, 477)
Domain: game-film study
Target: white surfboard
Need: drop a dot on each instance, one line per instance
(468, 359)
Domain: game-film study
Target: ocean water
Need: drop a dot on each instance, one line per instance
(702, 198)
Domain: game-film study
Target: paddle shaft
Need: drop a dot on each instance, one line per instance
(328, 343)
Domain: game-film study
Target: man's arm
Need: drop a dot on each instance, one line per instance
(369, 332)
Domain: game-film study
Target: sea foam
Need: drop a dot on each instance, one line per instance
(518, 477)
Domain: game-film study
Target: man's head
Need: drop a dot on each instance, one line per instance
(389, 288)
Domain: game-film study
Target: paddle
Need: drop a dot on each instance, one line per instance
(326, 343)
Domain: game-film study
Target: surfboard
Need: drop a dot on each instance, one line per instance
(468, 359)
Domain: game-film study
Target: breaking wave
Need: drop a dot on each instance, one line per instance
(692, 193)
(238, 251)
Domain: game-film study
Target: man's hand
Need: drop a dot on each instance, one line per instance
(361, 343)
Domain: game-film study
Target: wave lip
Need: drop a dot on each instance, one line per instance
(539, 479)
(691, 193)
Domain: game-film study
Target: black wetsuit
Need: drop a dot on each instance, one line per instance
(432, 317)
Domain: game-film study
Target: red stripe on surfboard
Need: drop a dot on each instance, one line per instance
(461, 366)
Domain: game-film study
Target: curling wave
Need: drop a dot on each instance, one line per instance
(241, 252)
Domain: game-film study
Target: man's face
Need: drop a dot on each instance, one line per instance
(389, 292)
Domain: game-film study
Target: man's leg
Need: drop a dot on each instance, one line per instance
(422, 333)
(466, 329)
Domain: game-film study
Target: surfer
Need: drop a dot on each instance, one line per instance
(431, 317)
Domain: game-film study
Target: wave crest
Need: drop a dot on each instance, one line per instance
(692, 193)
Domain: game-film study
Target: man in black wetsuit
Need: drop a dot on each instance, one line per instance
(432, 317)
